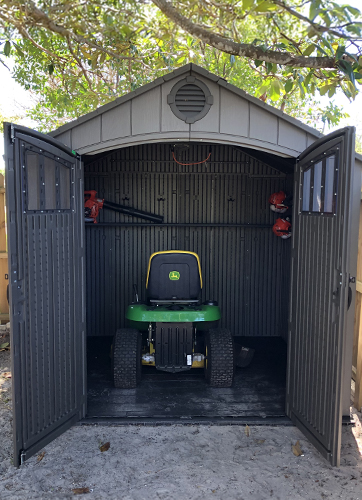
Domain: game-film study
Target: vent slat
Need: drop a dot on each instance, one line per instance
(189, 109)
(190, 92)
(190, 98)
(194, 104)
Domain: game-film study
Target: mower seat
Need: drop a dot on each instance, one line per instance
(174, 277)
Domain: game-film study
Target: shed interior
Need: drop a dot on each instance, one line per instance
(214, 200)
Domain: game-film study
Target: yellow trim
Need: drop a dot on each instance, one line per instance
(198, 364)
(173, 251)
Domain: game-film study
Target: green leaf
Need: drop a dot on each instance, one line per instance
(264, 88)
(94, 60)
(265, 7)
(301, 89)
(247, 4)
(309, 50)
(258, 63)
(126, 30)
(353, 10)
(18, 50)
(308, 79)
(288, 86)
(314, 9)
(346, 68)
(4, 346)
(51, 69)
(102, 58)
(320, 49)
(355, 29)
(332, 91)
(323, 90)
(7, 48)
(327, 44)
(340, 51)
(276, 87)
(357, 76)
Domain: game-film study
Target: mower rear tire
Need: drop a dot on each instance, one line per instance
(219, 362)
(127, 358)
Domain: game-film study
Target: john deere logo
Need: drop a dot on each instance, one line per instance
(174, 275)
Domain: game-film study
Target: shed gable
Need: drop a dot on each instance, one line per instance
(212, 111)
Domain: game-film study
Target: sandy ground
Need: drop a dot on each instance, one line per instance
(177, 462)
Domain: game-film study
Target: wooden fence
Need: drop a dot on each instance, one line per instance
(4, 307)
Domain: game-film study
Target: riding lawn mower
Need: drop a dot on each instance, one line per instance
(173, 331)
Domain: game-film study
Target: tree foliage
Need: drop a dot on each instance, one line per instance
(79, 55)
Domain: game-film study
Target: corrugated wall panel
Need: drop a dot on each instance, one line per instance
(244, 268)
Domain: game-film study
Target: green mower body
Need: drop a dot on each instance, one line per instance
(203, 317)
(173, 331)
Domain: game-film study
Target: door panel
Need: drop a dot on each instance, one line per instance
(321, 244)
(44, 189)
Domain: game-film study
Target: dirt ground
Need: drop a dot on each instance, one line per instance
(177, 462)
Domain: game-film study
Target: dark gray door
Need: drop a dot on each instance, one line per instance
(322, 239)
(44, 192)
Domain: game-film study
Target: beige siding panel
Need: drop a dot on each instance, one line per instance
(292, 137)
(210, 122)
(170, 122)
(86, 134)
(66, 138)
(234, 113)
(146, 112)
(263, 125)
(117, 122)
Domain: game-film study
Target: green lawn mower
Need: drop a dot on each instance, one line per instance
(173, 331)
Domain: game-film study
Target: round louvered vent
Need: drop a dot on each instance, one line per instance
(190, 99)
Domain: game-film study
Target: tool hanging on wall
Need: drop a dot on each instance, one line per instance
(92, 206)
(280, 202)
(283, 228)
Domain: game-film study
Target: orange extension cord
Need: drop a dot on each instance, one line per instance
(196, 163)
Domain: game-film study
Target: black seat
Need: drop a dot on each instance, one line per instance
(174, 277)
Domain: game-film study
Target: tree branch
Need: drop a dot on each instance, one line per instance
(242, 49)
(317, 27)
(26, 35)
(39, 17)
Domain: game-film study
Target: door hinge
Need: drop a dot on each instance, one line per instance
(12, 134)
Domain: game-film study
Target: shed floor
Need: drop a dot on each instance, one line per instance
(258, 392)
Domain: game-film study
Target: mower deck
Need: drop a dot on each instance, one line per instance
(258, 391)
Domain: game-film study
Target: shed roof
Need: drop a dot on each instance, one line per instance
(144, 116)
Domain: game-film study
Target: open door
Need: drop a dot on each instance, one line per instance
(320, 289)
(44, 192)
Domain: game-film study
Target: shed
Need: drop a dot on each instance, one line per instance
(206, 156)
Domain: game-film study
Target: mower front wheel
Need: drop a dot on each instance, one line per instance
(127, 358)
(219, 361)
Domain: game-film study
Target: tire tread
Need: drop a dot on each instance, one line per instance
(220, 372)
(126, 358)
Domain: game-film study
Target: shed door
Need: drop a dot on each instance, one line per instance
(321, 245)
(44, 191)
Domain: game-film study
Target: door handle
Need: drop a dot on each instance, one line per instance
(349, 297)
